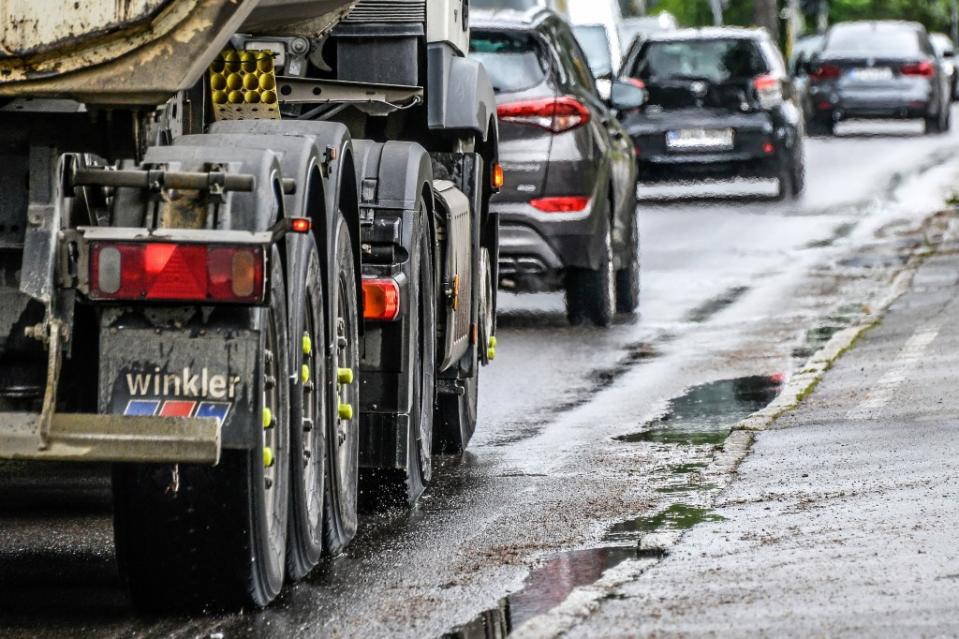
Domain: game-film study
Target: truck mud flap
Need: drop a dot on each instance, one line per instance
(162, 373)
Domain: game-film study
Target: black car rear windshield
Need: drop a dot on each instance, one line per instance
(710, 60)
(868, 40)
(514, 61)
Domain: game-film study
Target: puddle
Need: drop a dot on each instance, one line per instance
(545, 588)
(872, 261)
(716, 304)
(685, 488)
(817, 336)
(635, 354)
(692, 467)
(676, 517)
(706, 413)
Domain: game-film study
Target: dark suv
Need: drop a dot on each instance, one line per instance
(568, 207)
(720, 104)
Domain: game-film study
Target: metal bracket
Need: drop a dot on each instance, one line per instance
(291, 90)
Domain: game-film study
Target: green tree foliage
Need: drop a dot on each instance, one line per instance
(932, 13)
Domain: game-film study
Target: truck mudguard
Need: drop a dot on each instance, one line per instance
(193, 361)
(393, 177)
(256, 211)
(335, 158)
(459, 93)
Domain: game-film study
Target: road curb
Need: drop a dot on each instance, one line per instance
(586, 600)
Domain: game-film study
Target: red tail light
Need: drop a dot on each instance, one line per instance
(555, 115)
(825, 72)
(168, 272)
(561, 204)
(924, 69)
(381, 300)
(769, 90)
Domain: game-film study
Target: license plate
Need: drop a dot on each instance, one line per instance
(699, 139)
(871, 74)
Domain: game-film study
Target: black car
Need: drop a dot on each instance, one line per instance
(883, 69)
(720, 104)
(568, 207)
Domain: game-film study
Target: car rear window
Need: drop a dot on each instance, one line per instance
(595, 44)
(514, 61)
(868, 40)
(710, 60)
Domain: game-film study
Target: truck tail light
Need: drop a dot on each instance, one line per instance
(769, 91)
(381, 300)
(556, 115)
(924, 69)
(561, 204)
(171, 272)
(825, 72)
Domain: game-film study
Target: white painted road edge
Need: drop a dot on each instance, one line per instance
(584, 601)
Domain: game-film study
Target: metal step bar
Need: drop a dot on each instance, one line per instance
(110, 438)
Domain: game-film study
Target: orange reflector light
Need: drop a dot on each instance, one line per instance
(300, 224)
(381, 300)
(499, 178)
(561, 204)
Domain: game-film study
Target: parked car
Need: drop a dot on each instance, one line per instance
(596, 26)
(720, 104)
(878, 69)
(567, 209)
(803, 51)
(946, 50)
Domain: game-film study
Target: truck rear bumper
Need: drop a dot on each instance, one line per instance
(110, 438)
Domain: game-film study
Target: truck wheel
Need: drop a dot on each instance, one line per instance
(420, 439)
(343, 436)
(308, 408)
(456, 413)
(627, 278)
(591, 294)
(190, 536)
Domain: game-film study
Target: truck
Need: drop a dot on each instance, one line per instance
(247, 260)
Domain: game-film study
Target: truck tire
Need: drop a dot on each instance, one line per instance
(308, 408)
(456, 414)
(343, 437)
(191, 536)
(627, 278)
(591, 294)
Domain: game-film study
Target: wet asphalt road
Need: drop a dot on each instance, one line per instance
(737, 290)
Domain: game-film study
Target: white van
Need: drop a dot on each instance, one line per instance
(596, 24)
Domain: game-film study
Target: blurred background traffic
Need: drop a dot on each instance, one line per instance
(596, 97)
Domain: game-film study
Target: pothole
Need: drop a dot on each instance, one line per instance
(706, 413)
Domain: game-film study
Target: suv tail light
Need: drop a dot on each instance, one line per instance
(825, 72)
(924, 69)
(171, 272)
(769, 91)
(381, 300)
(553, 114)
(561, 204)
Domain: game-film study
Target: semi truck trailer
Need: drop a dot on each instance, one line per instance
(247, 260)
